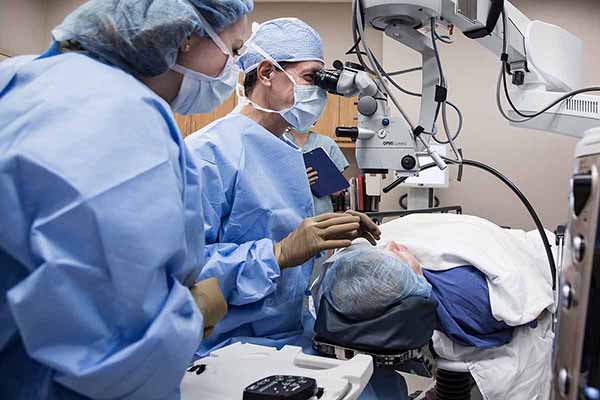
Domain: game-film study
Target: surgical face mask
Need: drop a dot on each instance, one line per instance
(309, 100)
(200, 93)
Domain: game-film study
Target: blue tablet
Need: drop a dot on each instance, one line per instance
(330, 179)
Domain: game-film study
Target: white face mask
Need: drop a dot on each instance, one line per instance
(200, 93)
(309, 101)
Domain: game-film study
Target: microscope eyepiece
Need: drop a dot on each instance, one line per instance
(328, 79)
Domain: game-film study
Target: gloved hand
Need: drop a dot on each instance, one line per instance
(210, 301)
(323, 232)
(313, 176)
(368, 229)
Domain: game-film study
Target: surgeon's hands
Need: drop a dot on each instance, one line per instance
(323, 232)
(368, 229)
(313, 175)
(210, 301)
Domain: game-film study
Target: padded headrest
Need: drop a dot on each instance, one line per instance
(405, 326)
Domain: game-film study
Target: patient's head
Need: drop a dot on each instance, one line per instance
(364, 281)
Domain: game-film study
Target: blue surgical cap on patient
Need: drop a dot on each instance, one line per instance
(284, 39)
(142, 37)
(364, 282)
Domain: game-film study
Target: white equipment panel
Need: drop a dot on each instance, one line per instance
(233, 368)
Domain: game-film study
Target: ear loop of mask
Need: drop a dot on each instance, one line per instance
(243, 100)
(269, 58)
(214, 36)
(240, 90)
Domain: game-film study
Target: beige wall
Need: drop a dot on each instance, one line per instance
(332, 21)
(539, 163)
(25, 25)
(22, 28)
(58, 10)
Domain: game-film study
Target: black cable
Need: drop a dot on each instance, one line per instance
(553, 104)
(536, 219)
(405, 71)
(354, 48)
(450, 138)
(415, 94)
(444, 39)
(357, 39)
(505, 69)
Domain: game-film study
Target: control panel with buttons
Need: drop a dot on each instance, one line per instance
(282, 387)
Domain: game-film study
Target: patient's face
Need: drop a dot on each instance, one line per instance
(402, 253)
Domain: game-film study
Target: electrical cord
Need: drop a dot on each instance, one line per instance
(443, 83)
(379, 67)
(361, 39)
(460, 125)
(444, 39)
(365, 44)
(357, 39)
(415, 94)
(437, 54)
(530, 209)
(505, 69)
(353, 51)
(405, 71)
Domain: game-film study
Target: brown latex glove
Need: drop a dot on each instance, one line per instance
(314, 235)
(368, 229)
(210, 301)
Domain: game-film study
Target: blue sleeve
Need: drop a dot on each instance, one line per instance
(107, 238)
(247, 272)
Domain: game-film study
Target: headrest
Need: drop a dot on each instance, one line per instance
(404, 326)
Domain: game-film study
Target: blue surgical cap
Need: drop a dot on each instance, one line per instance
(142, 37)
(284, 39)
(364, 282)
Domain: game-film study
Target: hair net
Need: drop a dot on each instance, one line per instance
(143, 36)
(284, 39)
(364, 282)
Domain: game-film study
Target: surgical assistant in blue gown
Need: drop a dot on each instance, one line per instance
(259, 193)
(101, 231)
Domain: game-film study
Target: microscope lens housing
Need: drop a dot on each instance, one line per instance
(328, 79)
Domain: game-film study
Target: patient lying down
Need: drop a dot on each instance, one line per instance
(492, 286)
(364, 282)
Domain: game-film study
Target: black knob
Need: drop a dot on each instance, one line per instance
(582, 188)
(351, 133)
(518, 78)
(337, 64)
(408, 162)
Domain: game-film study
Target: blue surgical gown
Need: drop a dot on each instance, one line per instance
(464, 309)
(257, 194)
(100, 233)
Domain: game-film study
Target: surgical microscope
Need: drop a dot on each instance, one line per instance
(541, 77)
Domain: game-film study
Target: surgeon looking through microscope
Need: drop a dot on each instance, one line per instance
(261, 235)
